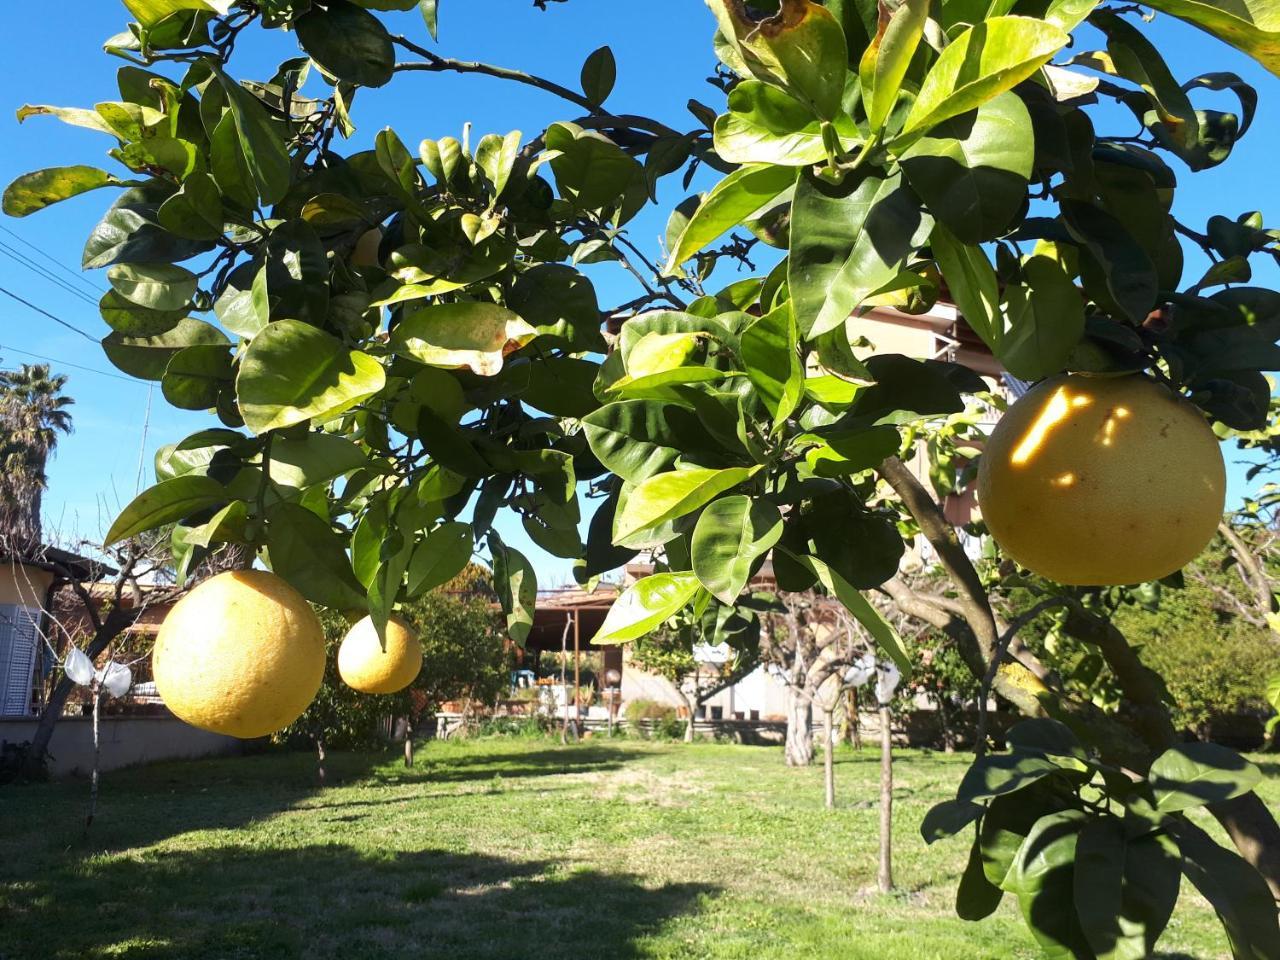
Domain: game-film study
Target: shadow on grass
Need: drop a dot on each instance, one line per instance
(331, 901)
(144, 805)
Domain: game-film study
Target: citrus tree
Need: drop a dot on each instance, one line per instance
(399, 344)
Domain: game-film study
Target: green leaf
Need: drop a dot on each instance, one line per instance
(881, 630)
(440, 557)
(972, 282)
(1237, 892)
(132, 320)
(456, 335)
(983, 62)
(1136, 59)
(517, 587)
(1127, 271)
(195, 211)
(884, 63)
(166, 502)
(149, 13)
(633, 438)
(306, 551)
(948, 818)
(770, 352)
(843, 453)
(1252, 26)
(497, 156)
(669, 496)
(731, 201)
(1046, 320)
(314, 458)
(263, 150)
(767, 125)
(293, 282)
(1124, 888)
(905, 390)
(156, 286)
(37, 190)
(599, 73)
(431, 14)
(348, 43)
(196, 375)
(129, 233)
(999, 773)
(645, 605)
(561, 305)
(971, 171)
(1194, 774)
(731, 535)
(147, 357)
(1043, 879)
(592, 171)
(847, 241)
(976, 896)
(292, 373)
(563, 386)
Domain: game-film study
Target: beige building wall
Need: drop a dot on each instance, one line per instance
(24, 585)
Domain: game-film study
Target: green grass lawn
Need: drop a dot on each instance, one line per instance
(500, 848)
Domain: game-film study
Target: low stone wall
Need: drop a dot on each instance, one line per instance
(126, 741)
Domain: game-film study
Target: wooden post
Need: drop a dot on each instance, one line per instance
(564, 639)
(577, 675)
(885, 877)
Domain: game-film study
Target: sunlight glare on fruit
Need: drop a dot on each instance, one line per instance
(1055, 412)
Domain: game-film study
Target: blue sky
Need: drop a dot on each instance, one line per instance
(664, 55)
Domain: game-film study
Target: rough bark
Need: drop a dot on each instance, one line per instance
(798, 751)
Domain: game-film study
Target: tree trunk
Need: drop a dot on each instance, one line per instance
(885, 875)
(97, 756)
(944, 719)
(691, 705)
(408, 741)
(855, 718)
(829, 755)
(798, 750)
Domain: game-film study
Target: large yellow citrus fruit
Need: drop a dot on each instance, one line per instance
(241, 654)
(365, 666)
(1092, 481)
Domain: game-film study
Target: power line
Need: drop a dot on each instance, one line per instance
(70, 326)
(142, 449)
(23, 260)
(76, 366)
(55, 261)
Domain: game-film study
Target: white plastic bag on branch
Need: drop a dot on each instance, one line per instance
(115, 678)
(78, 667)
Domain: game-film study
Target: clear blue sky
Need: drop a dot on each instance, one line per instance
(664, 55)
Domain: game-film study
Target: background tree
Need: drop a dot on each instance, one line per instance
(33, 412)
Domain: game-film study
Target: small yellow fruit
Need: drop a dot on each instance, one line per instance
(1092, 481)
(242, 654)
(365, 253)
(365, 666)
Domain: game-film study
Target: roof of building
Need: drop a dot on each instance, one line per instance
(64, 563)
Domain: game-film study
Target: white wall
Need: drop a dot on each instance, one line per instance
(125, 741)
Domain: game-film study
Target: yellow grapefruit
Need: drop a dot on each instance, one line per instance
(1092, 481)
(365, 666)
(241, 654)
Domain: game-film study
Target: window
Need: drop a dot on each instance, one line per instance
(19, 641)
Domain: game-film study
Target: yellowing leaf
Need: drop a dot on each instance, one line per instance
(454, 335)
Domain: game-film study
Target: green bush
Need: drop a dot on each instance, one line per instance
(667, 725)
(1214, 663)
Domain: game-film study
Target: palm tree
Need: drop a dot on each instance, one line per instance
(33, 411)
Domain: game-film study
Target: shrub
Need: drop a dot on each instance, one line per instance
(666, 725)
